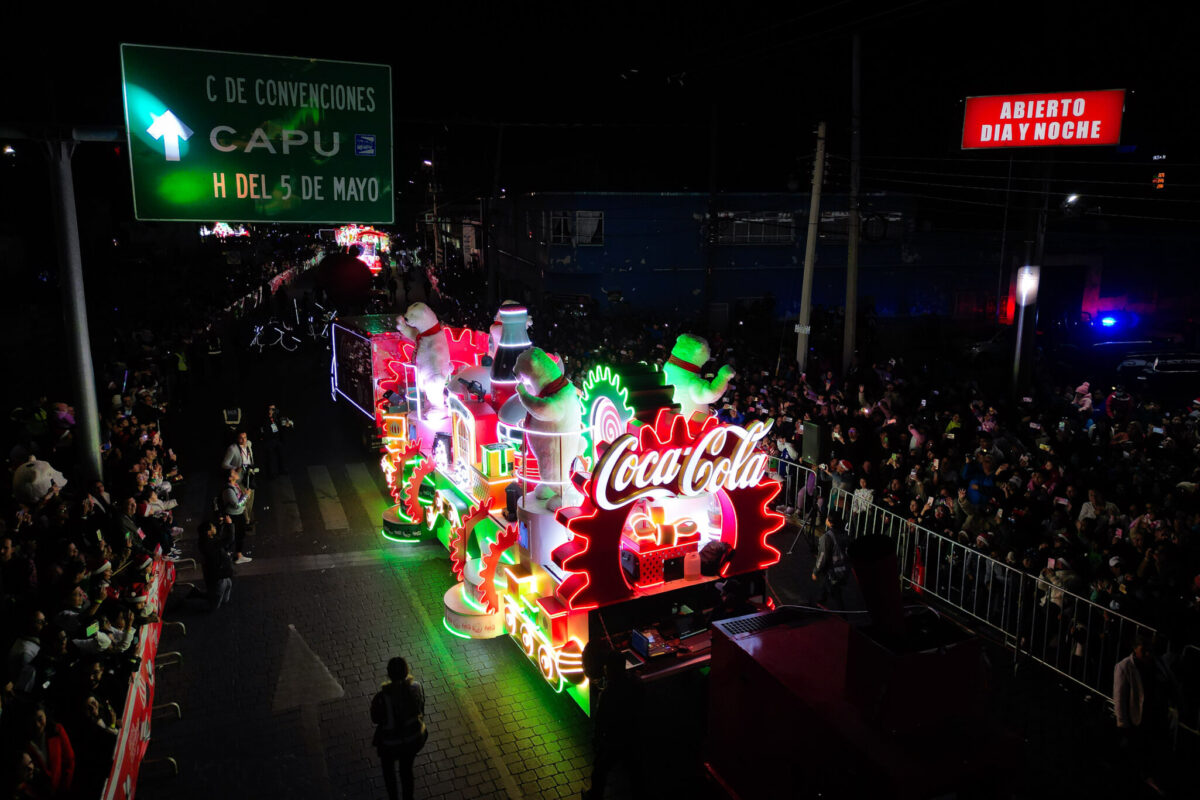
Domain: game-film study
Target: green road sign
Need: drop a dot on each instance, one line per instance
(235, 137)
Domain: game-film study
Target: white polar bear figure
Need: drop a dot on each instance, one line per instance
(553, 418)
(432, 357)
(35, 479)
(692, 392)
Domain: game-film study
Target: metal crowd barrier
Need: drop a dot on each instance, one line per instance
(801, 497)
(801, 491)
(1045, 620)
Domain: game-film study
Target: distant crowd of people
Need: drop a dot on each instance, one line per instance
(77, 560)
(1092, 489)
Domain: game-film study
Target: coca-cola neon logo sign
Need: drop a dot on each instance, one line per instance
(724, 457)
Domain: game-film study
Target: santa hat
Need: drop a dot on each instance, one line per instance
(102, 567)
(146, 562)
(137, 597)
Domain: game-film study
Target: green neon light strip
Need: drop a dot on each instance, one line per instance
(446, 625)
(384, 534)
(471, 602)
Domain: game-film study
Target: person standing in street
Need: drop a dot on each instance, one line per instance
(271, 437)
(233, 506)
(831, 567)
(614, 716)
(216, 562)
(398, 711)
(1141, 705)
(240, 456)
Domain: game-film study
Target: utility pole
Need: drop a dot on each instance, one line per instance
(712, 228)
(79, 343)
(851, 323)
(1003, 241)
(804, 325)
(437, 233)
(489, 253)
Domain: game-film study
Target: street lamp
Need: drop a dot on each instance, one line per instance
(1028, 278)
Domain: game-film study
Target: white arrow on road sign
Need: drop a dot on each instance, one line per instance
(170, 130)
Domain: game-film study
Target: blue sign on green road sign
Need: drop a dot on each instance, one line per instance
(236, 137)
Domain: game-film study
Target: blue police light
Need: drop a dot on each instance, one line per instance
(1108, 322)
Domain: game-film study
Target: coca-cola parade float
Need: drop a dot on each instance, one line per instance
(571, 514)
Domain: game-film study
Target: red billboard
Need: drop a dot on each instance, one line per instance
(1058, 119)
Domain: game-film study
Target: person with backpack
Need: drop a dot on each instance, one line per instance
(831, 566)
(398, 711)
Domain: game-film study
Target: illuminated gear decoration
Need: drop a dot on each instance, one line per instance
(412, 489)
(592, 555)
(491, 561)
(611, 400)
(460, 535)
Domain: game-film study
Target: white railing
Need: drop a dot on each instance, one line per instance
(1038, 617)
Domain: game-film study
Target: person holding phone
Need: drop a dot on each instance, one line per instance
(272, 434)
(240, 456)
(233, 500)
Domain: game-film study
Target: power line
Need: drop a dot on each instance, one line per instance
(956, 159)
(1016, 177)
(1037, 191)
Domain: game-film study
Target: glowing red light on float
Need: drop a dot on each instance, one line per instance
(412, 503)
(460, 535)
(491, 562)
(672, 458)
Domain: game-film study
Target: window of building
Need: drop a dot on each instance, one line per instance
(577, 227)
(589, 227)
(562, 227)
(756, 227)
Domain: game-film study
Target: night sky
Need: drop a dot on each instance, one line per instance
(628, 96)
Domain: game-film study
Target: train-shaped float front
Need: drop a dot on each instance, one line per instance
(564, 509)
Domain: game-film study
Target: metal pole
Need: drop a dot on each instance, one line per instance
(437, 232)
(804, 325)
(62, 187)
(712, 228)
(1003, 241)
(493, 294)
(851, 322)
(1016, 368)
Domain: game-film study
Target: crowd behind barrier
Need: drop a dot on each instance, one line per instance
(84, 571)
(86, 567)
(1092, 489)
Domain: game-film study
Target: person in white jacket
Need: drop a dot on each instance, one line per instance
(240, 456)
(1140, 705)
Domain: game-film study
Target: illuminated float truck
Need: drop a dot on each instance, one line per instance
(648, 493)
(371, 244)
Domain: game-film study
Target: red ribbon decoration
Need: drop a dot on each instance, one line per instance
(684, 365)
(429, 332)
(554, 386)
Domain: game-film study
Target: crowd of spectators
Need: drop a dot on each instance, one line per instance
(76, 564)
(77, 556)
(1091, 489)
(1074, 491)
(1104, 482)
